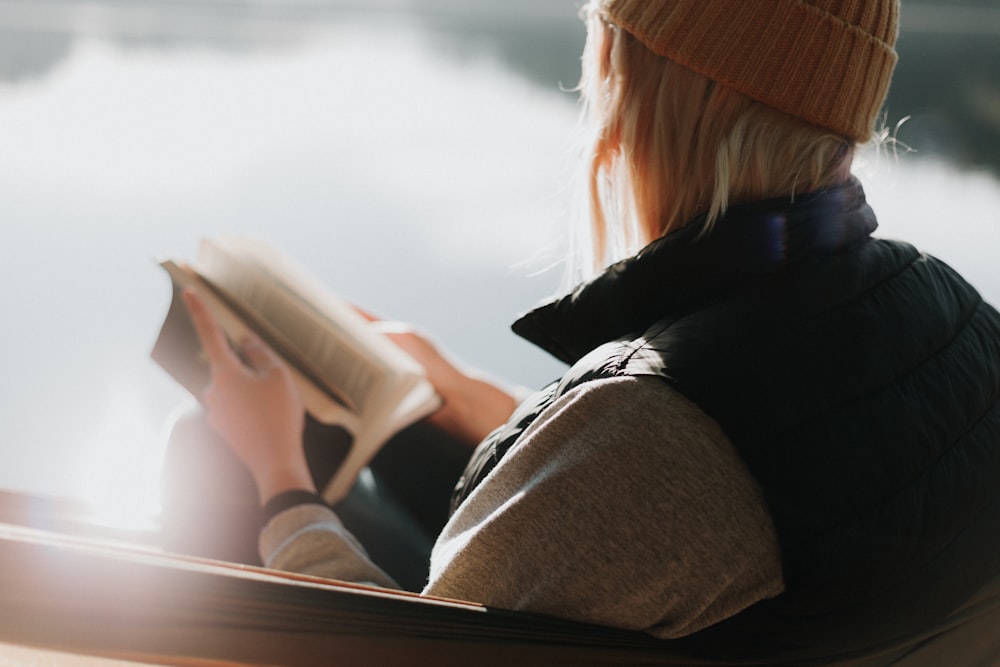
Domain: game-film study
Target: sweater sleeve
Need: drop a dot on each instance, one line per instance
(310, 539)
(623, 505)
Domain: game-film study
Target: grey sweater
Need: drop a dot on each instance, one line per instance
(623, 505)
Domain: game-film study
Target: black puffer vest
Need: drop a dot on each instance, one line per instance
(857, 378)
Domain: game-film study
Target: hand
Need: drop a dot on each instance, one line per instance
(473, 404)
(254, 406)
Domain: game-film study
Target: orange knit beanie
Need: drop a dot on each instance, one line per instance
(825, 61)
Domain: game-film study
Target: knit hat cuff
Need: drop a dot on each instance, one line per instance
(788, 54)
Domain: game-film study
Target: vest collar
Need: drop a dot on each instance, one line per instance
(685, 268)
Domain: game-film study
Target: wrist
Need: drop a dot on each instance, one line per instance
(275, 481)
(286, 500)
(473, 408)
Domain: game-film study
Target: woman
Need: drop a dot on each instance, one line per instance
(779, 438)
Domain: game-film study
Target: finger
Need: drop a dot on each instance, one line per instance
(212, 338)
(411, 341)
(371, 317)
(257, 354)
(390, 328)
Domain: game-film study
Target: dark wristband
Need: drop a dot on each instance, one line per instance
(287, 500)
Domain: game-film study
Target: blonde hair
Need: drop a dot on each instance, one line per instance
(669, 144)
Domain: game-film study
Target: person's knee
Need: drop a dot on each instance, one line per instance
(198, 466)
(209, 499)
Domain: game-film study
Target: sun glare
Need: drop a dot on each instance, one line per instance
(119, 477)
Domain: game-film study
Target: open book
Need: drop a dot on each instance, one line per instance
(348, 373)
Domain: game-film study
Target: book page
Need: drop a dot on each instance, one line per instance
(325, 350)
(325, 332)
(178, 350)
(316, 297)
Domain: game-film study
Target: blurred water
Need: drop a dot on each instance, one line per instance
(424, 187)
(403, 158)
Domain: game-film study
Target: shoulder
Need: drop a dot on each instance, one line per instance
(628, 425)
(622, 504)
(639, 403)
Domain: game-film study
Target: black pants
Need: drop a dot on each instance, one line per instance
(396, 509)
